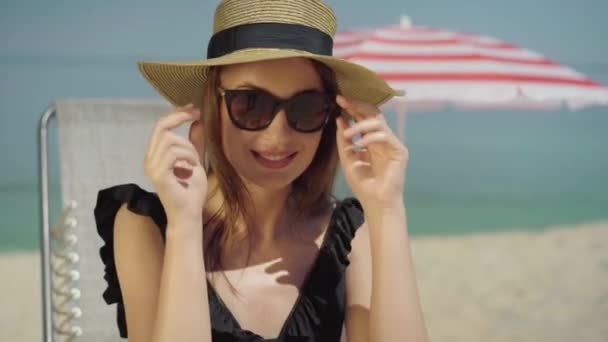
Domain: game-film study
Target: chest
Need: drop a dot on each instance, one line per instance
(261, 297)
(263, 309)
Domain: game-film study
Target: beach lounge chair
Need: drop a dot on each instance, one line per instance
(101, 143)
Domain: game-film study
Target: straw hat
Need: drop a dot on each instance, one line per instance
(257, 30)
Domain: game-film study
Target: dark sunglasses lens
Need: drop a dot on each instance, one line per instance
(251, 109)
(308, 111)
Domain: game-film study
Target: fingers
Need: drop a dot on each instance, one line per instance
(175, 154)
(365, 126)
(359, 168)
(171, 139)
(371, 126)
(357, 109)
(168, 150)
(175, 157)
(172, 143)
(344, 144)
(372, 130)
(375, 137)
(169, 122)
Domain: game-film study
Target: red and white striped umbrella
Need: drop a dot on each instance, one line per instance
(436, 67)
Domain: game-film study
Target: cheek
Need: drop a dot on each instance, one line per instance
(312, 144)
(309, 145)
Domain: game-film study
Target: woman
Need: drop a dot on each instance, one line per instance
(242, 240)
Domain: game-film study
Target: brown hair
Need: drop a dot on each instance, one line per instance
(311, 191)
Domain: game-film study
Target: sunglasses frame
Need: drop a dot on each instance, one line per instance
(278, 104)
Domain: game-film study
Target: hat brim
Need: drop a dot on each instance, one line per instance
(181, 82)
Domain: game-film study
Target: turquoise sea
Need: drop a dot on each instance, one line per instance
(469, 171)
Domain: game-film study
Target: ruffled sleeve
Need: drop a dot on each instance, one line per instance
(109, 201)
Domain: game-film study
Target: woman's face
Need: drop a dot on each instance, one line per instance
(277, 155)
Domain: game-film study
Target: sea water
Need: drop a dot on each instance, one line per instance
(468, 171)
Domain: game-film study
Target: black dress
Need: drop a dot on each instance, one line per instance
(318, 314)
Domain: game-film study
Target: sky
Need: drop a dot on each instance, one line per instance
(79, 48)
(567, 30)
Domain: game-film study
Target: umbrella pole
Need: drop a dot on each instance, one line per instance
(401, 117)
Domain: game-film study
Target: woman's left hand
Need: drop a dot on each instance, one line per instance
(375, 169)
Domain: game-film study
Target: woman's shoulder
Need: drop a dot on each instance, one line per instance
(136, 199)
(347, 217)
(341, 218)
(348, 214)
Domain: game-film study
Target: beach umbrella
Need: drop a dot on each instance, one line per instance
(439, 68)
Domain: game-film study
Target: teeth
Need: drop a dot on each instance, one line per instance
(274, 158)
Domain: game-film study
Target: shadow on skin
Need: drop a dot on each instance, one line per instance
(291, 269)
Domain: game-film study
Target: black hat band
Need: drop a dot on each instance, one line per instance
(270, 35)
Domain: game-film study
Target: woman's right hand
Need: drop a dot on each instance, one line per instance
(173, 165)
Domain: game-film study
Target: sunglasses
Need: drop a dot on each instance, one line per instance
(254, 109)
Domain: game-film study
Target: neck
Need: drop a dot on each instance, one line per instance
(270, 211)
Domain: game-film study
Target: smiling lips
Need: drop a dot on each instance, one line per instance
(274, 160)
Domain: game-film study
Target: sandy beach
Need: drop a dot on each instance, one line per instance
(512, 286)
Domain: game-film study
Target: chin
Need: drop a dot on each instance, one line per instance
(257, 175)
(271, 182)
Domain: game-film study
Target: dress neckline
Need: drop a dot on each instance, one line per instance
(302, 290)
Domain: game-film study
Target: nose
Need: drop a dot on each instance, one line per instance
(279, 126)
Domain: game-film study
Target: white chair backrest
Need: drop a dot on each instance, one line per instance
(101, 143)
